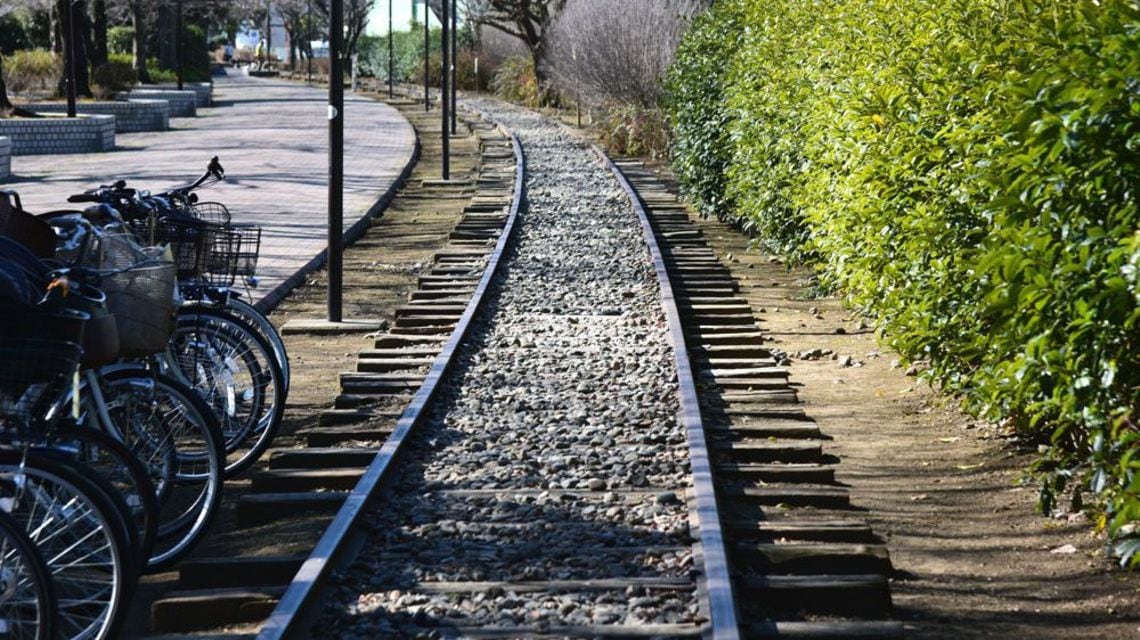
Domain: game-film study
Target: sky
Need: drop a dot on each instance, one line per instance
(401, 14)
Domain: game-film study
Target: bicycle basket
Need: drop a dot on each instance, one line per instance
(142, 299)
(246, 263)
(222, 262)
(190, 241)
(213, 212)
(34, 375)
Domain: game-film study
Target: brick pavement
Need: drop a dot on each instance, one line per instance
(271, 137)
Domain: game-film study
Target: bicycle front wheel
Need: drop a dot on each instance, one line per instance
(80, 536)
(232, 368)
(27, 596)
(175, 434)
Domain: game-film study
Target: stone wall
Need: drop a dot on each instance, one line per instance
(52, 134)
(203, 90)
(5, 158)
(130, 116)
(183, 104)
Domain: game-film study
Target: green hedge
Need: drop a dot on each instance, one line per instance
(967, 172)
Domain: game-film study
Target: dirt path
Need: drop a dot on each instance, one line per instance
(973, 559)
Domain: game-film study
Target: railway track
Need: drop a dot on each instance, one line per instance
(275, 515)
(579, 434)
(803, 564)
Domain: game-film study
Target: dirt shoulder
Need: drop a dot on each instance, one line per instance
(948, 494)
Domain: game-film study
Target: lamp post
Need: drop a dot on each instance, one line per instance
(69, 56)
(443, 101)
(309, 38)
(268, 33)
(427, 56)
(390, 50)
(577, 85)
(336, 160)
(178, 41)
(454, 59)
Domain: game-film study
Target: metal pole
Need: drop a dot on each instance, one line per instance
(577, 86)
(427, 56)
(268, 33)
(69, 56)
(178, 42)
(309, 39)
(336, 160)
(443, 101)
(454, 60)
(390, 54)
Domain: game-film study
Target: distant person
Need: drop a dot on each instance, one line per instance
(228, 53)
(259, 53)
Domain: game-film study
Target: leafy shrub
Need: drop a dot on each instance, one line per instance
(13, 35)
(118, 74)
(196, 55)
(967, 172)
(695, 91)
(121, 39)
(632, 130)
(32, 72)
(157, 74)
(515, 81)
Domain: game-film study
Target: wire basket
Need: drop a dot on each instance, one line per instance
(213, 212)
(222, 262)
(34, 376)
(246, 263)
(190, 240)
(142, 299)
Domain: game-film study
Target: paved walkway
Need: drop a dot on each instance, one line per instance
(272, 139)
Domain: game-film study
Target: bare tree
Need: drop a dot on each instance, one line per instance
(355, 20)
(601, 48)
(527, 20)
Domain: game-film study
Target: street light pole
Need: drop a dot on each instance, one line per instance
(178, 41)
(443, 100)
(454, 59)
(427, 56)
(336, 160)
(69, 56)
(390, 54)
(268, 33)
(309, 38)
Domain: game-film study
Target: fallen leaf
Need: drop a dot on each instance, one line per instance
(1065, 548)
(949, 440)
(921, 496)
(967, 467)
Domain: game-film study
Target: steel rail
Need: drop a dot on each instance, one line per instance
(341, 541)
(723, 617)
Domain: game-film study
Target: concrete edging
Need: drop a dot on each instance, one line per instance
(131, 116)
(52, 135)
(183, 104)
(5, 158)
(203, 91)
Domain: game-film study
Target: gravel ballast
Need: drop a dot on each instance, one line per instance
(555, 453)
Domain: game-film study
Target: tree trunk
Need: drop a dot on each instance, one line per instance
(78, 40)
(541, 73)
(138, 21)
(5, 103)
(98, 51)
(82, 35)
